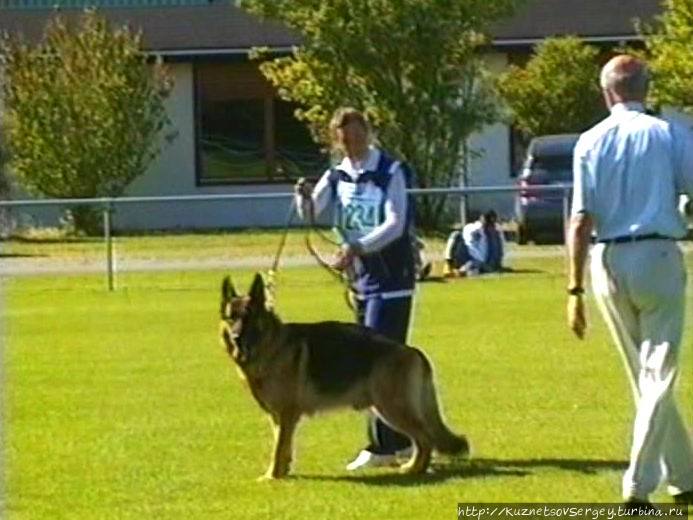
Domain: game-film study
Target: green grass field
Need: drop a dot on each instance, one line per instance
(124, 406)
(166, 246)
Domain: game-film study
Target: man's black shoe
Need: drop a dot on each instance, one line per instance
(639, 507)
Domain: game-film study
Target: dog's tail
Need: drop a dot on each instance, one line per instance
(444, 440)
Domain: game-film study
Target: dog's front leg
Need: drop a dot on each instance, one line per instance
(284, 428)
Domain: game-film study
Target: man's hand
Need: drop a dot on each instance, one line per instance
(576, 315)
(303, 188)
(579, 235)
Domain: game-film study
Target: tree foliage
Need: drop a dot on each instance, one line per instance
(557, 91)
(414, 67)
(5, 216)
(669, 50)
(84, 108)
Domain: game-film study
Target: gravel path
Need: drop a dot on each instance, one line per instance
(28, 266)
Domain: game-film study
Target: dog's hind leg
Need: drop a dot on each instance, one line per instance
(420, 459)
(284, 428)
(401, 418)
(396, 390)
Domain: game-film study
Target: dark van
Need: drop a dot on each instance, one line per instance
(549, 161)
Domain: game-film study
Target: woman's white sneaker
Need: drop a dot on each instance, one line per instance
(368, 459)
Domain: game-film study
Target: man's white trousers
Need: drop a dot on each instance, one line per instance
(640, 290)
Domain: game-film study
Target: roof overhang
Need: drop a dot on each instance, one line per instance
(190, 53)
(520, 42)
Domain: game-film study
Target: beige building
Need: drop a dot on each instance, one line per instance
(236, 136)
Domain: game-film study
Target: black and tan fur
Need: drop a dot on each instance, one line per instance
(297, 369)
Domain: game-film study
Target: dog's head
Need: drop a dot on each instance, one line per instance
(245, 320)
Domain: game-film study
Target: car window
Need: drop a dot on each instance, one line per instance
(555, 168)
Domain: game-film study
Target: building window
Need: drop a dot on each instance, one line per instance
(244, 133)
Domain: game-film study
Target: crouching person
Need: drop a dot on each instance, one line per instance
(476, 249)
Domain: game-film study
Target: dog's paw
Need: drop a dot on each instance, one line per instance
(413, 468)
(272, 475)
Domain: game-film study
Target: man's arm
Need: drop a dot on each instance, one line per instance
(579, 234)
(683, 158)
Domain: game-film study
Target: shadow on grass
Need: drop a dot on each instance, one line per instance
(20, 255)
(57, 240)
(503, 274)
(586, 466)
(442, 471)
(432, 279)
(513, 270)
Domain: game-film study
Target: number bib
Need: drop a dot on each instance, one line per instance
(359, 208)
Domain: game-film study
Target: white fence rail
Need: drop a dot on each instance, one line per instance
(108, 204)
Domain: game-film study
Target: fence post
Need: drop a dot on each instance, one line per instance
(109, 244)
(464, 183)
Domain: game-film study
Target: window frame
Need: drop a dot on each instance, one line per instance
(269, 99)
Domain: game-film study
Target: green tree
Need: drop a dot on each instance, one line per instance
(557, 91)
(414, 67)
(84, 110)
(669, 50)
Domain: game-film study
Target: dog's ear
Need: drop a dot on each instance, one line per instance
(228, 291)
(257, 292)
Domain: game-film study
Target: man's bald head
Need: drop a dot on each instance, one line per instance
(626, 78)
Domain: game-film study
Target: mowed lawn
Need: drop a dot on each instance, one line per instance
(124, 405)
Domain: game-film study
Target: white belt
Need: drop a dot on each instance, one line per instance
(387, 295)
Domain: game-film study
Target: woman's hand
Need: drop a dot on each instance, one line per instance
(303, 188)
(345, 257)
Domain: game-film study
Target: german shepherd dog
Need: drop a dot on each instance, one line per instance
(296, 369)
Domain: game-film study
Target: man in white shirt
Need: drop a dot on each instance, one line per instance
(628, 172)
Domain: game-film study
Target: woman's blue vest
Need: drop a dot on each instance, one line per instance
(359, 208)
